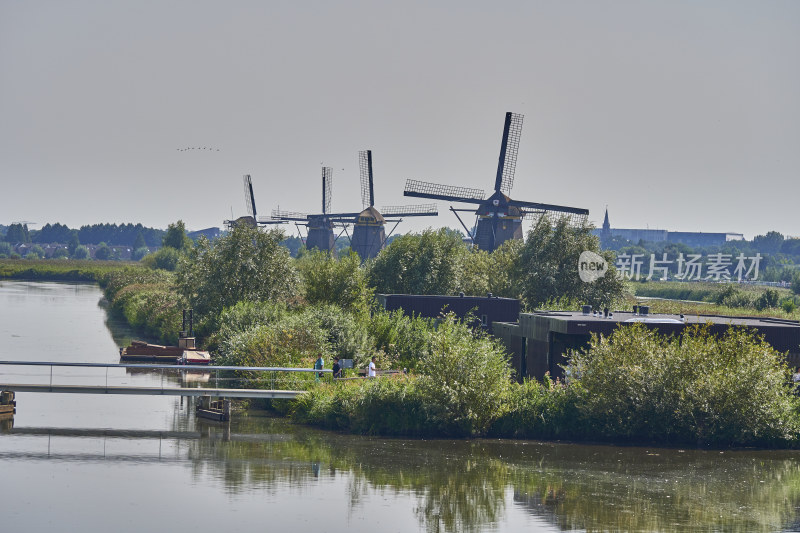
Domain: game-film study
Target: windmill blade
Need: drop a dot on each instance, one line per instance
(270, 220)
(553, 213)
(327, 178)
(394, 211)
(535, 206)
(424, 189)
(342, 216)
(552, 217)
(278, 214)
(365, 169)
(507, 162)
(249, 197)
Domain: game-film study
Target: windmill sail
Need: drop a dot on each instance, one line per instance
(327, 178)
(424, 189)
(395, 211)
(365, 171)
(249, 197)
(509, 147)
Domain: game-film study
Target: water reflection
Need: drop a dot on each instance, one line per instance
(460, 486)
(463, 485)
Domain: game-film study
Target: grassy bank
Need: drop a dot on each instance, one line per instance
(59, 270)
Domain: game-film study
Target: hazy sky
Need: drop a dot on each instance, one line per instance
(682, 115)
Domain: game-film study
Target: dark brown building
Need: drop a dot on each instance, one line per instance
(487, 310)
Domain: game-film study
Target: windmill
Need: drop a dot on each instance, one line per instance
(499, 217)
(320, 225)
(250, 201)
(369, 232)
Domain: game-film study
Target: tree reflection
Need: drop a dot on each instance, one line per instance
(462, 485)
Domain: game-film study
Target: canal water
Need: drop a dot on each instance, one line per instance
(134, 464)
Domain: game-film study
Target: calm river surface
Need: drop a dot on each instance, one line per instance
(146, 464)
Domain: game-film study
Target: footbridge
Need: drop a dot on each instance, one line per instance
(47, 380)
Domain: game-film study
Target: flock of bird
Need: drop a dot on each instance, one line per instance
(209, 148)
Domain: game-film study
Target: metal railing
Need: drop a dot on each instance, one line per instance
(221, 374)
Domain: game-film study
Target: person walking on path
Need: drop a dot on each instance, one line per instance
(319, 364)
(337, 368)
(372, 371)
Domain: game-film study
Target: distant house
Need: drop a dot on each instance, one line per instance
(208, 233)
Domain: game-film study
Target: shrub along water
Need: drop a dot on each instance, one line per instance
(463, 383)
(696, 388)
(147, 299)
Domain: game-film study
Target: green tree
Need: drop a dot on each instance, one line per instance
(493, 272)
(176, 237)
(139, 242)
(428, 263)
(796, 283)
(81, 252)
(73, 243)
(769, 243)
(342, 281)
(5, 249)
(548, 267)
(246, 265)
(102, 252)
(139, 253)
(17, 233)
(60, 252)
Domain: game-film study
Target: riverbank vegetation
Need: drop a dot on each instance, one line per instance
(62, 270)
(256, 305)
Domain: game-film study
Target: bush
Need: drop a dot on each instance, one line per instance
(165, 259)
(698, 388)
(394, 407)
(730, 296)
(537, 410)
(402, 339)
(347, 335)
(768, 299)
(147, 299)
(293, 340)
(466, 374)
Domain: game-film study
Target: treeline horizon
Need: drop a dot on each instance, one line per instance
(780, 254)
(110, 234)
